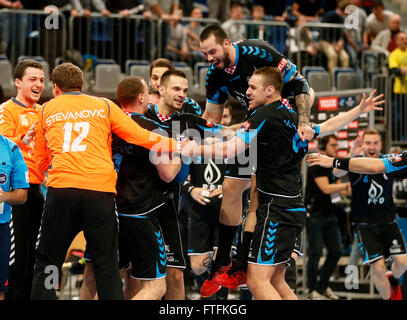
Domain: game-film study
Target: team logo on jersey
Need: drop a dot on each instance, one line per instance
(209, 124)
(282, 64)
(3, 178)
(212, 173)
(396, 159)
(375, 193)
(395, 247)
(246, 125)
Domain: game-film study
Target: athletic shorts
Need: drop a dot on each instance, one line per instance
(169, 222)
(142, 246)
(241, 167)
(279, 225)
(203, 226)
(380, 241)
(4, 255)
(298, 85)
(298, 246)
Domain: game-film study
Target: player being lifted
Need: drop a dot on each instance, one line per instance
(232, 66)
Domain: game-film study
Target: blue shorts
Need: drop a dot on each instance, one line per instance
(4, 255)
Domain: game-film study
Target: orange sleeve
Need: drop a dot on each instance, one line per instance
(7, 127)
(41, 151)
(127, 129)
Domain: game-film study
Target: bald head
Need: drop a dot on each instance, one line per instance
(395, 22)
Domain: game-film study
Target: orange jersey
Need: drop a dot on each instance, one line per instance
(73, 141)
(15, 120)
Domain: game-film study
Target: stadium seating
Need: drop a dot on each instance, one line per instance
(130, 63)
(107, 77)
(6, 79)
(188, 71)
(347, 81)
(202, 77)
(139, 68)
(197, 68)
(307, 69)
(320, 80)
(340, 70)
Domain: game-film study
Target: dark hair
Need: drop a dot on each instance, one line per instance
(371, 131)
(324, 141)
(129, 88)
(377, 4)
(228, 105)
(67, 77)
(167, 74)
(161, 63)
(271, 76)
(236, 4)
(215, 30)
(23, 65)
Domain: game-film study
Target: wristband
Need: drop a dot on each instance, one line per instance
(341, 163)
(188, 186)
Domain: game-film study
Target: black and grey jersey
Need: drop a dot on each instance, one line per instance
(272, 130)
(139, 188)
(185, 125)
(191, 106)
(372, 198)
(396, 165)
(250, 55)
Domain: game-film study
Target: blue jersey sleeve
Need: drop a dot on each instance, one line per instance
(396, 164)
(19, 172)
(191, 106)
(252, 127)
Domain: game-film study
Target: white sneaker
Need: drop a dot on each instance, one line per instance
(315, 295)
(330, 294)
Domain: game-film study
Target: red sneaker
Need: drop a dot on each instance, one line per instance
(395, 291)
(211, 285)
(233, 280)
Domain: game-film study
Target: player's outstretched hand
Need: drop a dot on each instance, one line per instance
(316, 159)
(371, 103)
(30, 134)
(356, 149)
(305, 132)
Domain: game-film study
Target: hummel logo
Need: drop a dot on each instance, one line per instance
(337, 164)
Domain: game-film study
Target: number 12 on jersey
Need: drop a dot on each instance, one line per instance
(82, 128)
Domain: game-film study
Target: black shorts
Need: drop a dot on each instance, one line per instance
(298, 85)
(279, 225)
(242, 166)
(4, 255)
(380, 241)
(237, 171)
(168, 219)
(298, 246)
(67, 211)
(203, 226)
(141, 246)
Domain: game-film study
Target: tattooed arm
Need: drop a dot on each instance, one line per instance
(303, 103)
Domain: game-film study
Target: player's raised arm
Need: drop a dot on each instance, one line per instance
(366, 105)
(213, 112)
(358, 165)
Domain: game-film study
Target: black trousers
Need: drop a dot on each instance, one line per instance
(26, 221)
(67, 211)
